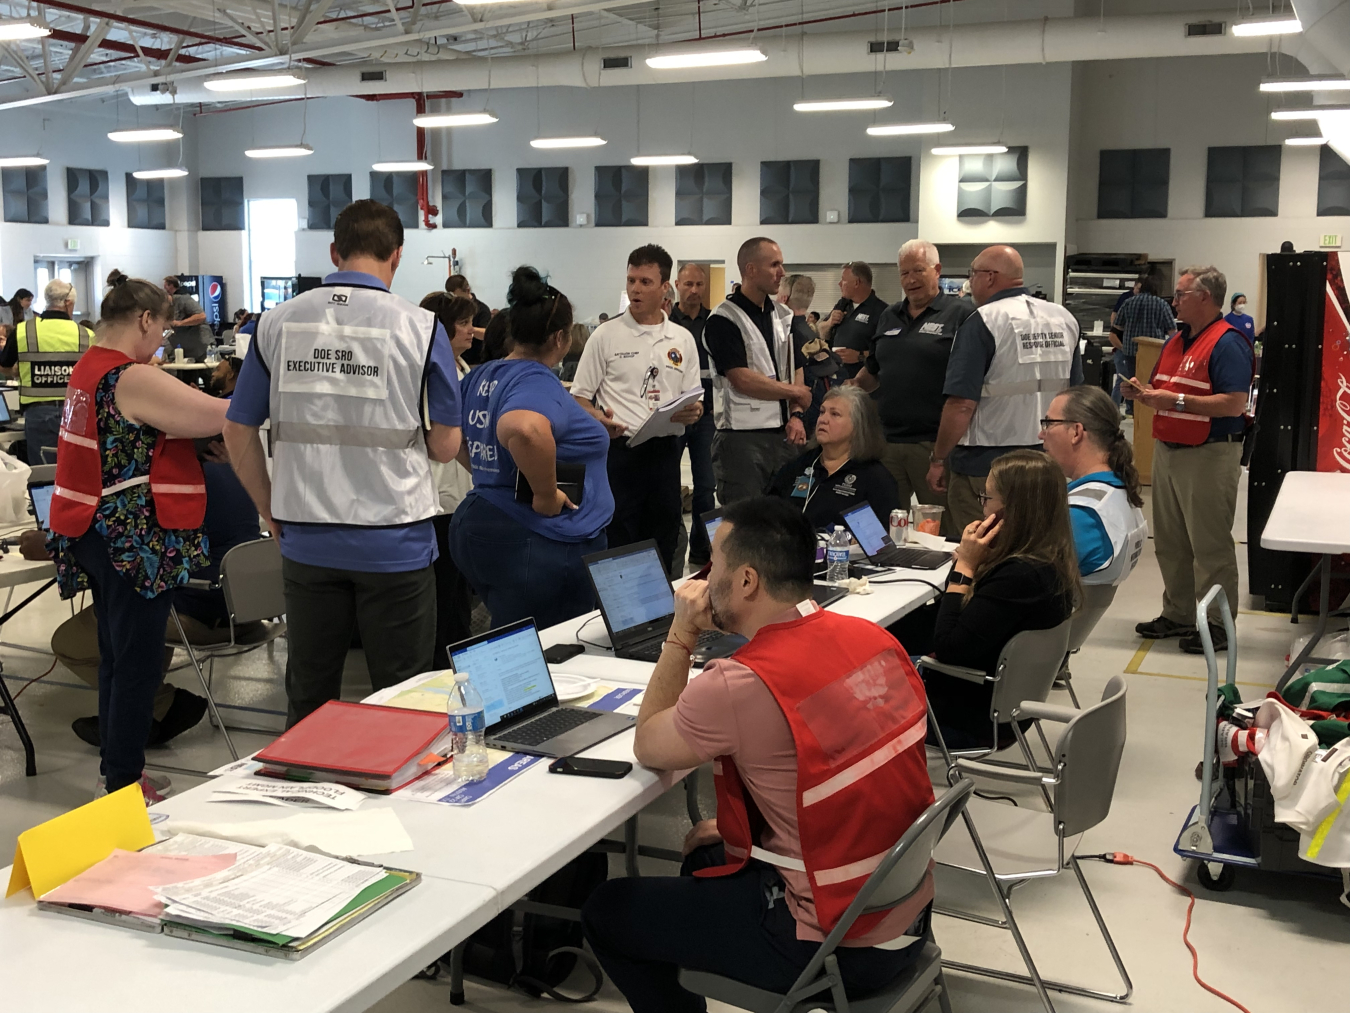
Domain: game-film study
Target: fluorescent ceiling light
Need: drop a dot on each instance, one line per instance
(891, 129)
(1288, 24)
(664, 159)
(254, 82)
(280, 151)
(167, 173)
(16, 31)
(840, 105)
(705, 58)
(567, 142)
(1311, 113)
(19, 161)
(415, 166)
(454, 120)
(1307, 84)
(146, 134)
(972, 149)
(1305, 141)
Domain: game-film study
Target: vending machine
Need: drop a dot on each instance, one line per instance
(209, 290)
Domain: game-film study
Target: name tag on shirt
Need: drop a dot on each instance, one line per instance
(802, 487)
(331, 358)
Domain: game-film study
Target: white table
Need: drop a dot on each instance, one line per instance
(1310, 515)
(16, 571)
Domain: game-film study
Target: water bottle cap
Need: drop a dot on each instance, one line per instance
(461, 677)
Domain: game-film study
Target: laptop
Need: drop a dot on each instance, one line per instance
(40, 494)
(824, 594)
(876, 543)
(520, 705)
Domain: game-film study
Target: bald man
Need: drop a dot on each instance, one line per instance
(1009, 360)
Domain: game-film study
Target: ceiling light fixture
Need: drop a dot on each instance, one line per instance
(171, 172)
(1304, 142)
(254, 82)
(17, 31)
(705, 58)
(416, 166)
(1307, 84)
(892, 129)
(454, 119)
(280, 151)
(567, 142)
(663, 159)
(145, 134)
(972, 149)
(20, 161)
(1310, 113)
(840, 105)
(1284, 25)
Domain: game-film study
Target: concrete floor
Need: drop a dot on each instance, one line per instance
(1260, 942)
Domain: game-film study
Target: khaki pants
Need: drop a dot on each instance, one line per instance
(962, 504)
(75, 644)
(908, 465)
(1194, 501)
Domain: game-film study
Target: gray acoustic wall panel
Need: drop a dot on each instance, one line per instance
(466, 198)
(789, 192)
(620, 195)
(1243, 182)
(993, 186)
(87, 197)
(145, 203)
(1333, 184)
(1133, 182)
(328, 195)
(222, 203)
(542, 198)
(878, 189)
(397, 190)
(703, 194)
(25, 194)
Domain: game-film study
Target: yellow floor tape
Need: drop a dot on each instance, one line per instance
(1134, 668)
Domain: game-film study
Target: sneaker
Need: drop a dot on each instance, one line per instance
(1191, 642)
(154, 788)
(1162, 628)
(184, 712)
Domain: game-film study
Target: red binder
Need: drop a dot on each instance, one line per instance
(363, 745)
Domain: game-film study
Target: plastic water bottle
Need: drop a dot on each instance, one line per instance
(836, 556)
(178, 355)
(467, 725)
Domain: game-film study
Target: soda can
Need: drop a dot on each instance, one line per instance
(899, 526)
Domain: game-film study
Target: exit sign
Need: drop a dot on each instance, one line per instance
(72, 244)
(1331, 240)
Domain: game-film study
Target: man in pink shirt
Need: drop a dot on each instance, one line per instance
(815, 728)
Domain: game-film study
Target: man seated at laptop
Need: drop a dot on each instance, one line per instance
(838, 739)
(844, 468)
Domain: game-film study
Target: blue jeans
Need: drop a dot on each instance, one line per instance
(1124, 370)
(699, 438)
(517, 572)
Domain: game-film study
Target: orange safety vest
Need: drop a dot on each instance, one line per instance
(177, 486)
(1184, 370)
(855, 705)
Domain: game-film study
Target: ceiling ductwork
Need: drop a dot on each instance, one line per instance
(1324, 48)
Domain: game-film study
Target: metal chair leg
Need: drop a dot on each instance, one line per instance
(210, 700)
(11, 710)
(1106, 935)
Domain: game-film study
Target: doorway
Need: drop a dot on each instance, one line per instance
(73, 270)
(271, 225)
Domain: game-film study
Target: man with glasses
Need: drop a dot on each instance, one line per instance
(1198, 393)
(1009, 360)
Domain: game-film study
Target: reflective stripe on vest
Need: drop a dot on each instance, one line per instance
(1125, 524)
(345, 436)
(731, 408)
(47, 352)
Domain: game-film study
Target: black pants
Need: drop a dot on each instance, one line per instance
(42, 423)
(643, 930)
(131, 661)
(645, 481)
(698, 438)
(454, 597)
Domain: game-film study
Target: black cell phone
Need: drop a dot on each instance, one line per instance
(582, 767)
(559, 653)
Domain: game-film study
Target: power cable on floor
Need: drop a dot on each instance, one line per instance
(24, 689)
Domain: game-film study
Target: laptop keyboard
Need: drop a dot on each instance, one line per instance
(915, 559)
(550, 725)
(651, 650)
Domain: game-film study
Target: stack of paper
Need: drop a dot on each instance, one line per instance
(125, 881)
(273, 792)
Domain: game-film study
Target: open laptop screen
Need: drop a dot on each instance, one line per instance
(4, 411)
(507, 668)
(633, 588)
(42, 503)
(711, 522)
(866, 528)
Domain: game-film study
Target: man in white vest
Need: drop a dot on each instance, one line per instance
(1009, 360)
(361, 390)
(758, 396)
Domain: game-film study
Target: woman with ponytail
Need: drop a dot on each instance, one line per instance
(1081, 431)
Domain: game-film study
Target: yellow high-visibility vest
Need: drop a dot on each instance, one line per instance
(48, 351)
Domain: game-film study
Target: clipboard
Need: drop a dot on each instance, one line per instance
(658, 422)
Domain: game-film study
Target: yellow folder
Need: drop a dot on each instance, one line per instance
(60, 849)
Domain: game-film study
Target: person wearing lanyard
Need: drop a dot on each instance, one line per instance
(853, 321)
(630, 365)
(691, 313)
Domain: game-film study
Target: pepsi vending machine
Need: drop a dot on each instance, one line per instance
(209, 290)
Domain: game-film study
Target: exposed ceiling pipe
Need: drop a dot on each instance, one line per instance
(59, 35)
(151, 26)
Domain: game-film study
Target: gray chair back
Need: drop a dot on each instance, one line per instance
(1027, 667)
(250, 577)
(903, 870)
(43, 473)
(1088, 757)
(1097, 599)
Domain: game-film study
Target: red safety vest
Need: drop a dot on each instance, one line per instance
(855, 705)
(177, 486)
(1186, 371)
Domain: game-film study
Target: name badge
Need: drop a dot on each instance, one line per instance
(801, 487)
(330, 358)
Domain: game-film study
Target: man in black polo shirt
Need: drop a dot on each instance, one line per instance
(850, 326)
(691, 313)
(906, 367)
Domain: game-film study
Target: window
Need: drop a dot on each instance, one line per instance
(703, 194)
(1333, 184)
(466, 198)
(1243, 182)
(397, 190)
(145, 203)
(878, 189)
(222, 203)
(542, 198)
(328, 195)
(993, 186)
(25, 192)
(87, 197)
(1132, 182)
(789, 192)
(620, 195)
(271, 243)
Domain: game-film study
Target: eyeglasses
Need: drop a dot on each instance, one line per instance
(1181, 292)
(981, 270)
(1047, 423)
(984, 498)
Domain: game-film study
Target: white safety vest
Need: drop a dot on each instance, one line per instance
(1034, 342)
(1125, 525)
(734, 410)
(348, 372)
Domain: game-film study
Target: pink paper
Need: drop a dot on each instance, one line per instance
(124, 881)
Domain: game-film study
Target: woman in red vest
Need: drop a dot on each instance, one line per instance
(127, 509)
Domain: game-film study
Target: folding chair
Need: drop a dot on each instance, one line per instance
(1021, 844)
(1097, 599)
(900, 873)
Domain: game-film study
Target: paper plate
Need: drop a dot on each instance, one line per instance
(572, 687)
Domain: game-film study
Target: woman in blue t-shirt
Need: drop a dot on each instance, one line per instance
(522, 553)
(1240, 318)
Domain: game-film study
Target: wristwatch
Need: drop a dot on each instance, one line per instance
(959, 578)
(798, 415)
(1180, 405)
